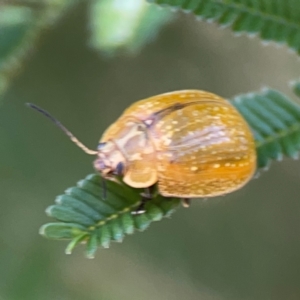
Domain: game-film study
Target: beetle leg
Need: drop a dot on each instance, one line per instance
(141, 208)
(186, 202)
(146, 196)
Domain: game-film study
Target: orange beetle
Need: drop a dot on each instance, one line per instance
(192, 143)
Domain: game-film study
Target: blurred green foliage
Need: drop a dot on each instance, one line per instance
(14, 24)
(114, 25)
(244, 246)
(20, 28)
(124, 25)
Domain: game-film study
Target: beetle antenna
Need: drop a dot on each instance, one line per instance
(64, 129)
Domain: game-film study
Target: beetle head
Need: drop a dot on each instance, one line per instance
(110, 160)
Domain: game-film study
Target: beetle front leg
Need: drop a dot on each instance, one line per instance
(186, 202)
(146, 196)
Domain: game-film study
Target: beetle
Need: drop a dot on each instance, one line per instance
(191, 143)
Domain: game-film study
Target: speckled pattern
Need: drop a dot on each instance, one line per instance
(194, 143)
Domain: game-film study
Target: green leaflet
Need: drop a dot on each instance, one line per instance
(276, 21)
(85, 217)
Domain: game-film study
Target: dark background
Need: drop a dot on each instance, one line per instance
(242, 246)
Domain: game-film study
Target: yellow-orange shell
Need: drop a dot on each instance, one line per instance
(194, 144)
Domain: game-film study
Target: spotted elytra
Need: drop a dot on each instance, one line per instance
(192, 143)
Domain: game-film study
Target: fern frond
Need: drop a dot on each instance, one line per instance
(275, 122)
(276, 21)
(86, 217)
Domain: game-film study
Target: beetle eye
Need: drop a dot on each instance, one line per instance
(100, 146)
(119, 169)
